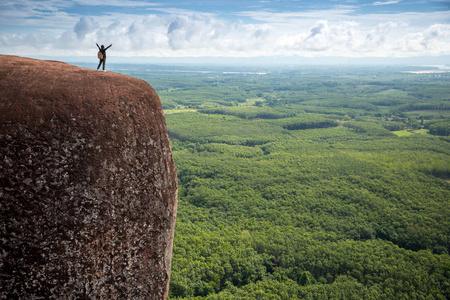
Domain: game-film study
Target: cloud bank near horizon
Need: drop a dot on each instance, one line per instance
(184, 33)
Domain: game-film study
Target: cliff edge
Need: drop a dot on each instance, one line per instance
(88, 185)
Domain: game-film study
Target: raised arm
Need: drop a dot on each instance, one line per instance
(98, 46)
(108, 46)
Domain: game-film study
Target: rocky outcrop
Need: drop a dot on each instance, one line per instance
(88, 185)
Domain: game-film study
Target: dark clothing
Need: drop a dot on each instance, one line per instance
(103, 50)
(103, 60)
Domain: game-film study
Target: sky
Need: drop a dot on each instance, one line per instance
(232, 28)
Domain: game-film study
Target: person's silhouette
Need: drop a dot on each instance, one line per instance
(102, 49)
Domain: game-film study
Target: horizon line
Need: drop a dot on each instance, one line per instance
(443, 60)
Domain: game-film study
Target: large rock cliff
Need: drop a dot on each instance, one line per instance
(88, 187)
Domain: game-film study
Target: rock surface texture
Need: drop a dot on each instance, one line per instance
(88, 187)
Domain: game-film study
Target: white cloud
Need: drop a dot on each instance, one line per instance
(377, 3)
(120, 3)
(434, 40)
(300, 17)
(338, 32)
(85, 26)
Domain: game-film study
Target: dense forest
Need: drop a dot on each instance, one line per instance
(308, 183)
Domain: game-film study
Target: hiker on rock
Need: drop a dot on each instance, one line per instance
(102, 55)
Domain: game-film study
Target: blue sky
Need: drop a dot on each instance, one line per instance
(233, 28)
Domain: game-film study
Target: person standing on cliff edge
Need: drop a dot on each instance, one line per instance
(102, 49)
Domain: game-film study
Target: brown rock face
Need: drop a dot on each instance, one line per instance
(88, 187)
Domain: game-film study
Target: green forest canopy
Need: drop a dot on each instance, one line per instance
(309, 184)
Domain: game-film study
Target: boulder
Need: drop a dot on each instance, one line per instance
(88, 186)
